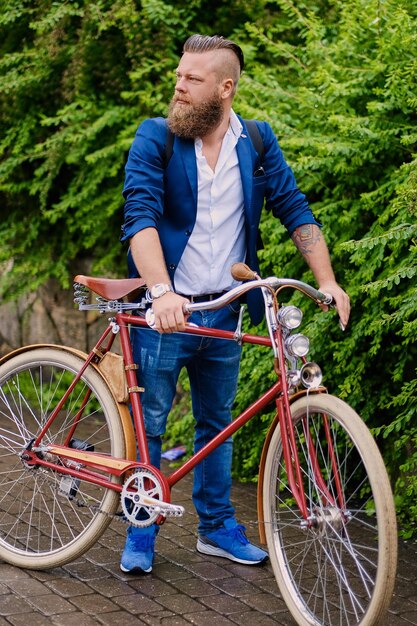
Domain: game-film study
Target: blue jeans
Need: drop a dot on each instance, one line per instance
(213, 368)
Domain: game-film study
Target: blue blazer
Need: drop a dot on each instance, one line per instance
(165, 196)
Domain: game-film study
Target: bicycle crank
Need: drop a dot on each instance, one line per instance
(142, 502)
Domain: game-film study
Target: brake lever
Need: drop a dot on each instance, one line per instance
(150, 319)
(331, 303)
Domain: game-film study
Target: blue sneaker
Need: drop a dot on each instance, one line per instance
(230, 542)
(137, 557)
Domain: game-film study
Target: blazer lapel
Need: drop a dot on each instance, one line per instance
(243, 148)
(187, 152)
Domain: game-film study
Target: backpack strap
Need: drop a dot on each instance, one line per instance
(169, 147)
(256, 138)
(254, 135)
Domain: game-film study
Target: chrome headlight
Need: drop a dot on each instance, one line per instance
(290, 317)
(297, 345)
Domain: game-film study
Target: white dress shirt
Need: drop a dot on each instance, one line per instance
(218, 238)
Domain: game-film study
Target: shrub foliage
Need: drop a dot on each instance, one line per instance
(335, 79)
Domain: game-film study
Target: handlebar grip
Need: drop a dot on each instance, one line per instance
(327, 299)
(150, 318)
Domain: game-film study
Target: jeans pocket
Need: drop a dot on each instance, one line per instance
(234, 307)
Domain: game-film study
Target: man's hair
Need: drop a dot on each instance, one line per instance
(206, 43)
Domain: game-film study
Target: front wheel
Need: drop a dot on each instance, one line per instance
(338, 568)
(48, 519)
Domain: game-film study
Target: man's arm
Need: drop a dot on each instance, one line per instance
(149, 259)
(310, 242)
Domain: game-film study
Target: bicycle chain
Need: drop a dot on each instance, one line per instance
(118, 516)
(93, 508)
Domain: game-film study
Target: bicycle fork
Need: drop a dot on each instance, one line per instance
(291, 455)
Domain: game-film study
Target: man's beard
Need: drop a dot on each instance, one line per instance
(195, 120)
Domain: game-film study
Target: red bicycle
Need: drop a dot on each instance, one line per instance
(68, 458)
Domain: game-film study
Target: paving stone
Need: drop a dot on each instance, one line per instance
(210, 618)
(69, 587)
(170, 572)
(51, 604)
(84, 571)
(264, 602)
(111, 587)
(29, 587)
(10, 605)
(180, 604)
(137, 604)
(400, 605)
(72, 619)
(181, 556)
(195, 587)
(269, 585)
(8, 572)
(120, 618)
(23, 619)
(155, 619)
(102, 555)
(224, 604)
(254, 618)
(252, 572)
(113, 541)
(93, 604)
(236, 587)
(174, 621)
(209, 570)
(152, 587)
(4, 589)
(409, 618)
(56, 573)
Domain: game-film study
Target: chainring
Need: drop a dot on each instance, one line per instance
(141, 483)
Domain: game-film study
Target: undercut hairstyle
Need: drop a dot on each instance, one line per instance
(207, 43)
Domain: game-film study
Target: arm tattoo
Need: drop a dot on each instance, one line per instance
(305, 237)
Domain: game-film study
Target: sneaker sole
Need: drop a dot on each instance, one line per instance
(205, 548)
(135, 570)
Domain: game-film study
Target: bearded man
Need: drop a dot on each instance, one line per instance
(188, 219)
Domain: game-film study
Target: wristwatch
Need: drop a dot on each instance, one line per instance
(160, 289)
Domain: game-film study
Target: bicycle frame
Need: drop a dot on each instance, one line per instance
(91, 461)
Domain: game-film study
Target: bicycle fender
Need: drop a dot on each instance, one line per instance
(271, 430)
(123, 409)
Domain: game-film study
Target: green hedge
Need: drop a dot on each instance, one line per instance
(336, 80)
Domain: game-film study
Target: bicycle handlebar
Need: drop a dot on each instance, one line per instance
(271, 282)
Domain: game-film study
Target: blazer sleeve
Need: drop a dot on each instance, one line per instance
(282, 195)
(143, 189)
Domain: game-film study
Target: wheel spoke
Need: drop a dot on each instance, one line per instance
(337, 568)
(46, 518)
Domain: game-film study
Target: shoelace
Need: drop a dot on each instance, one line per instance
(238, 534)
(142, 542)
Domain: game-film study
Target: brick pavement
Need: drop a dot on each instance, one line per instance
(184, 587)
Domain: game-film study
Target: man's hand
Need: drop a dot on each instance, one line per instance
(341, 298)
(169, 313)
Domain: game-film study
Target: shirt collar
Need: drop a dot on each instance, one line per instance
(235, 124)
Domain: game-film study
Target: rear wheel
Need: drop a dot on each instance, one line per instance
(47, 519)
(340, 568)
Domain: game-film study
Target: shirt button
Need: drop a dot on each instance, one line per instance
(188, 232)
(172, 266)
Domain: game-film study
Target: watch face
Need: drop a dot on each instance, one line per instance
(158, 290)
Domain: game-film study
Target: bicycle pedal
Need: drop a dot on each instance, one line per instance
(68, 487)
(158, 506)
